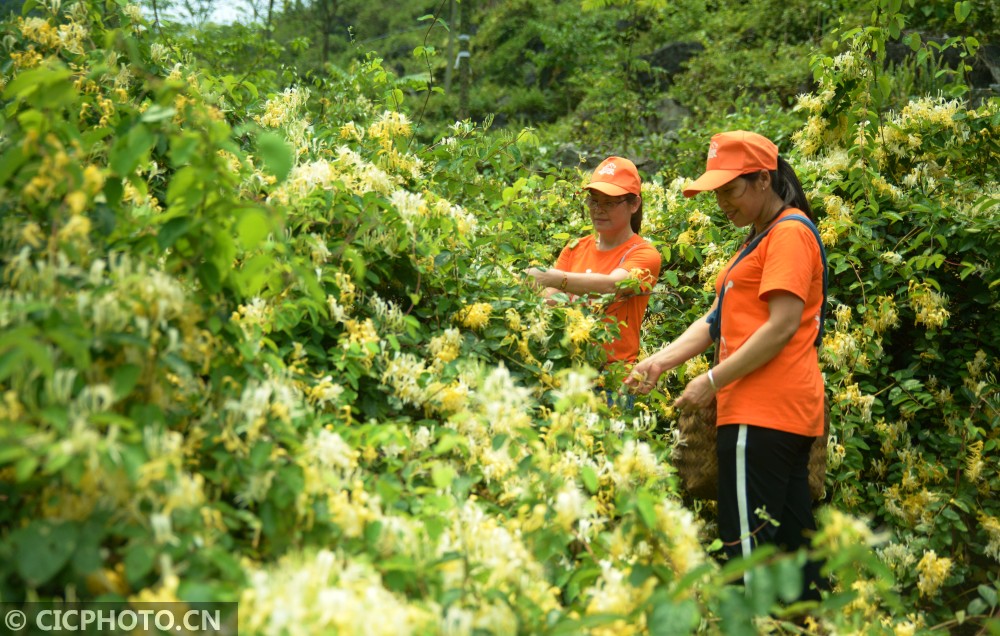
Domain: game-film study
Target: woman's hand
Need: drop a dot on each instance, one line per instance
(537, 276)
(644, 376)
(697, 394)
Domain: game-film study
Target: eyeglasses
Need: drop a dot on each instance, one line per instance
(607, 205)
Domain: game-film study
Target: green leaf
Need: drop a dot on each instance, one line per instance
(43, 87)
(252, 226)
(113, 190)
(13, 158)
(962, 10)
(447, 443)
(788, 579)
(185, 188)
(277, 154)
(129, 150)
(10, 452)
(989, 595)
(254, 273)
(139, 560)
(894, 30)
(442, 475)
(42, 549)
(25, 468)
(173, 230)
(10, 361)
(589, 477)
(87, 557)
(884, 87)
(673, 618)
(182, 148)
(157, 113)
(125, 379)
(647, 510)
(976, 606)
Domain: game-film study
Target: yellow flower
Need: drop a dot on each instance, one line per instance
(351, 131)
(992, 527)
(165, 592)
(26, 59)
(257, 313)
(390, 124)
(76, 201)
(929, 305)
(32, 234)
(38, 30)
(977, 364)
(93, 179)
(578, 327)
(475, 316)
(108, 580)
(403, 373)
(362, 334)
(513, 320)
(686, 238)
(347, 289)
(974, 461)
(447, 346)
(454, 397)
(281, 109)
(78, 226)
(933, 571)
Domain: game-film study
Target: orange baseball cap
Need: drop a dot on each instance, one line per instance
(731, 154)
(615, 177)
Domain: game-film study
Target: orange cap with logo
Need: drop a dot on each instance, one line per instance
(614, 177)
(731, 154)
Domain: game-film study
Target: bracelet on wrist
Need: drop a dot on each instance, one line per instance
(711, 380)
(564, 283)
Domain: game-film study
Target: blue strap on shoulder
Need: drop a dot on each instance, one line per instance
(715, 318)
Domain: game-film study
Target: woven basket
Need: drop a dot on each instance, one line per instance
(694, 454)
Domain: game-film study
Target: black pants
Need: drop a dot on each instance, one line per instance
(762, 468)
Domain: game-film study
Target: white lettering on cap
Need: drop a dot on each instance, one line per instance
(607, 169)
(713, 150)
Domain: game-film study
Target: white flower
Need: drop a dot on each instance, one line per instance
(569, 505)
(331, 451)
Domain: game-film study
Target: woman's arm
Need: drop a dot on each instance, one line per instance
(693, 341)
(760, 348)
(576, 283)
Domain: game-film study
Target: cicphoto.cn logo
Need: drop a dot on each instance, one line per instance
(112, 618)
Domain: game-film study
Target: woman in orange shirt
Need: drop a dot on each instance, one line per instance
(595, 264)
(767, 383)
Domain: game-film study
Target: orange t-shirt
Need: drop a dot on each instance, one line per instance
(582, 256)
(787, 392)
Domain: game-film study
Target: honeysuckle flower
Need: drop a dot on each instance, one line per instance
(929, 304)
(475, 316)
(991, 525)
(932, 571)
(446, 346)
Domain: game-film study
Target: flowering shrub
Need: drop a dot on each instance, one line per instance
(907, 199)
(281, 354)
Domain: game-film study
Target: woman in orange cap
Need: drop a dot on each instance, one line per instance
(767, 383)
(595, 264)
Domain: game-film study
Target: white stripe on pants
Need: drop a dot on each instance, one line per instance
(741, 495)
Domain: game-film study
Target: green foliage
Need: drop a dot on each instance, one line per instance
(266, 339)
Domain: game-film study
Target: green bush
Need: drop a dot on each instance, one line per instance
(262, 343)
